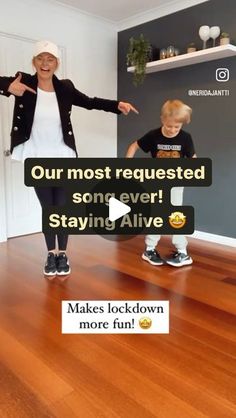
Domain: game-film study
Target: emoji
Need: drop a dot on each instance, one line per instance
(177, 220)
(145, 323)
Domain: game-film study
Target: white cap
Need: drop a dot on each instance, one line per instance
(46, 46)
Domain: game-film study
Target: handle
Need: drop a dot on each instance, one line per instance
(7, 153)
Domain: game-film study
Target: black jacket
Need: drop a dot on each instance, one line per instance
(67, 95)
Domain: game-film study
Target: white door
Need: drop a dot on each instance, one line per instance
(22, 209)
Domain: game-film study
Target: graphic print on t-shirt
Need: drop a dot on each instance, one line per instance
(160, 146)
(168, 151)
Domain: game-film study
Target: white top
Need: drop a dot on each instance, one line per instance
(46, 139)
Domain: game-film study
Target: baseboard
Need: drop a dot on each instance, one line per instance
(217, 239)
(205, 236)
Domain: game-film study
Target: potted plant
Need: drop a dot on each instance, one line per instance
(138, 55)
(224, 38)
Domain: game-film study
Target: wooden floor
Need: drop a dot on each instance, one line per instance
(189, 373)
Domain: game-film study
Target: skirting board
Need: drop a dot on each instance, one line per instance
(217, 239)
(205, 236)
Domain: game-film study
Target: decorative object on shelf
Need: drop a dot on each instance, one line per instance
(138, 55)
(183, 60)
(170, 51)
(163, 54)
(191, 48)
(224, 38)
(204, 33)
(214, 33)
(176, 52)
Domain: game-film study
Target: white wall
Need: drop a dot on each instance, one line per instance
(91, 62)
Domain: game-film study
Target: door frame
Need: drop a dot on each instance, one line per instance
(3, 208)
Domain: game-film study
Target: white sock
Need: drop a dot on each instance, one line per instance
(150, 248)
(183, 251)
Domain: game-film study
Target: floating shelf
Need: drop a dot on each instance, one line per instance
(209, 54)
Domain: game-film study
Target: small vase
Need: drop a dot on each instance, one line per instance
(170, 51)
(163, 54)
(191, 49)
(176, 52)
(224, 41)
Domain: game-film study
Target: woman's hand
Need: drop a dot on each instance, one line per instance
(125, 108)
(18, 89)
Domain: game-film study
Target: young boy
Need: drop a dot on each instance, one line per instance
(168, 141)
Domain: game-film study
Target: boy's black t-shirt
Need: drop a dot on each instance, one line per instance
(162, 147)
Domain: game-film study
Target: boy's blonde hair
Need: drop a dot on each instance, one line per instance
(176, 109)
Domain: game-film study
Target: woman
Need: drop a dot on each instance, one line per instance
(42, 128)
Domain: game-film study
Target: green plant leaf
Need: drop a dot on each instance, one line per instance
(138, 55)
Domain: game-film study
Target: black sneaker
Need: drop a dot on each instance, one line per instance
(50, 268)
(179, 259)
(152, 257)
(63, 267)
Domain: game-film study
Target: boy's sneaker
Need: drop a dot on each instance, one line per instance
(152, 257)
(63, 267)
(50, 268)
(178, 259)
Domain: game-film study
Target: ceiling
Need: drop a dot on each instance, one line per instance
(114, 10)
